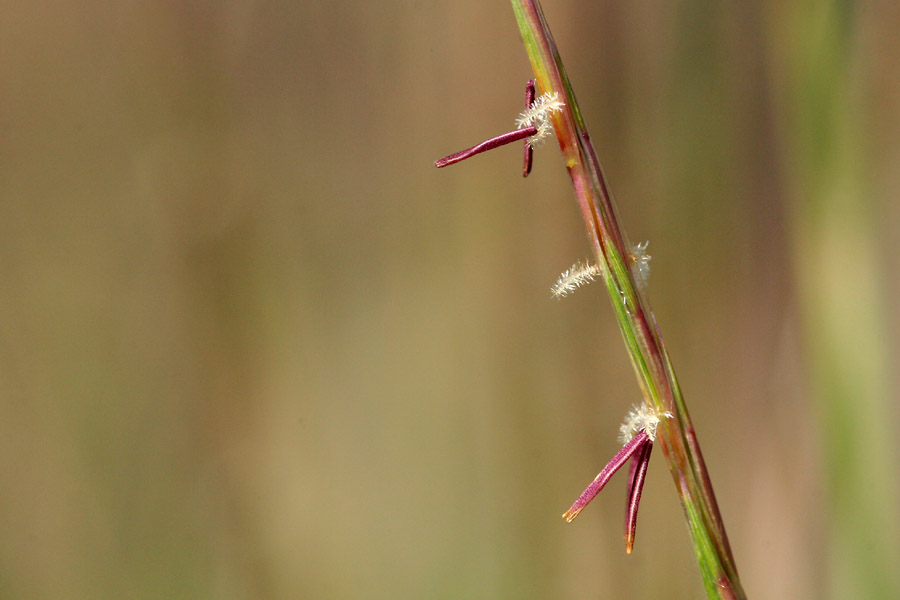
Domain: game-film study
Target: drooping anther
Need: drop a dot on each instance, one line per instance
(633, 446)
(495, 142)
(637, 474)
(529, 149)
(533, 125)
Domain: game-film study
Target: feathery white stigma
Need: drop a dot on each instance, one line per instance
(640, 268)
(579, 274)
(643, 417)
(538, 115)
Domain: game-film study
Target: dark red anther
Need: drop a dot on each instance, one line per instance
(495, 142)
(636, 476)
(529, 150)
(632, 448)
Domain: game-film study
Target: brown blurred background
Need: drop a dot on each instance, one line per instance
(252, 345)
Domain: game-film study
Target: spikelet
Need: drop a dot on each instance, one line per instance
(640, 267)
(579, 274)
(643, 417)
(538, 115)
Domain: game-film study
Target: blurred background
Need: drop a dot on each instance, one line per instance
(253, 345)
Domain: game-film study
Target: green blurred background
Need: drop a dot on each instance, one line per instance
(252, 345)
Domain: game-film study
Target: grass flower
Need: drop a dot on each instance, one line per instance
(576, 276)
(640, 263)
(638, 432)
(533, 125)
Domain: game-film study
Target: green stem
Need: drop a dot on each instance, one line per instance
(636, 321)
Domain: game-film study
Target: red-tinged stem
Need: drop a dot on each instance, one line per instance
(636, 321)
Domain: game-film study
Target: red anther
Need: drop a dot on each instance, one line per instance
(637, 474)
(529, 149)
(500, 140)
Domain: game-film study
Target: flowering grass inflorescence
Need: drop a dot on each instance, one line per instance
(663, 415)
